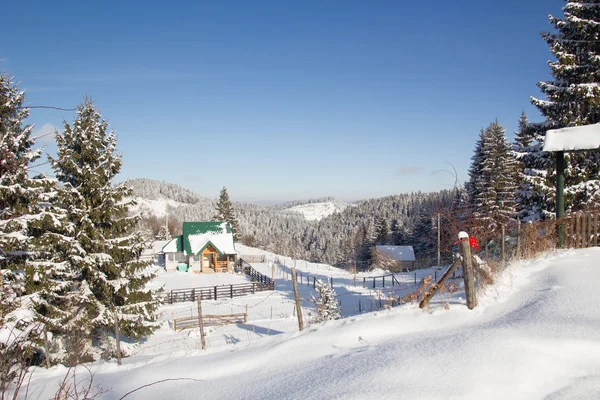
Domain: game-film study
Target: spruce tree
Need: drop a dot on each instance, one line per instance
(381, 230)
(19, 199)
(535, 190)
(572, 98)
(101, 246)
(493, 175)
(327, 306)
(226, 213)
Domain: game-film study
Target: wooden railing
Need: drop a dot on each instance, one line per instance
(257, 276)
(581, 229)
(179, 324)
(216, 292)
(222, 266)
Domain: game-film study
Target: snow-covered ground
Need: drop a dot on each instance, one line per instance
(534, 335)
(315, 211)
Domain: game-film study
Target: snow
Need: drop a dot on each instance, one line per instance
(398, 253)
(183, 280)
(586, 137)
(171, 246)
(153, 207)
(534, 335)
(315, 211)
(223, 242)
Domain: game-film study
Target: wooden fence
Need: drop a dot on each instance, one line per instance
(581, 229)
(179, 324)
(253, 258)
(217, 292)
(258, 277)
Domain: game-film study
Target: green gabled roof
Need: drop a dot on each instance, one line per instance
(175, 245)
(197, 228)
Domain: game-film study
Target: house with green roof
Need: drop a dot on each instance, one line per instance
(203, 247)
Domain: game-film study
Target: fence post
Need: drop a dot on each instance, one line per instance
(435, 276)
(576, 244)
(314, 282)
(231, 291)
(201, 323)
(503, 249)
(332, 281)
(468, 275)
(415, 278)
(518, 239)
(246, 313)
(583, 230)
(383, 280)
(373, 283)
(117, 338)
(596, 228)
(436, 286)
(364, 282)
(297, 299)
(215, 292)
(47, 348)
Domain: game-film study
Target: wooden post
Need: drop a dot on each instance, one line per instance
(201, 324)
(439, 238)
(596, 228)
(583, 230)
(273, 272)
(46, 348)
(468, 275)
(331, 281)
(246, 313)
(297, 299)
(576, 235)
(364, 281)
(436, 286)
(503, 247)
(117, 338)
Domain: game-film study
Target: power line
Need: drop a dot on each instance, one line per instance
(50, 107)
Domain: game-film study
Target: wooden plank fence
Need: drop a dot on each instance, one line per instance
(260, 283)
(180, 324)
(581, 229)
(216, 292)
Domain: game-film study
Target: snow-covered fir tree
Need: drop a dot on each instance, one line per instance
(535, 190)
(19, 199)
(101, 247)
(381, 230)
(226, 213)
(572, 98)
(327, 305)
(493, 174)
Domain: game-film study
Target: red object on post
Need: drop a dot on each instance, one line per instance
(473, 243)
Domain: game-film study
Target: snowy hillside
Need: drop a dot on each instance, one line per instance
(316, 211)
(157, 207)
(534, 335)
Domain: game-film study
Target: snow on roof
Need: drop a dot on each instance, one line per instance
(398, 253)
(222, 241)
(173, 245)
(586, 137)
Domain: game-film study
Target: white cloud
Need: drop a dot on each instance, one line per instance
(45, 134)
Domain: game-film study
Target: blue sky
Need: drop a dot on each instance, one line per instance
(285, 100)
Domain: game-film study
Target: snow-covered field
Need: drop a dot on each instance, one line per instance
(534, 335)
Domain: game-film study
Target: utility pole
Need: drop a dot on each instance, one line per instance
(439, 235)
